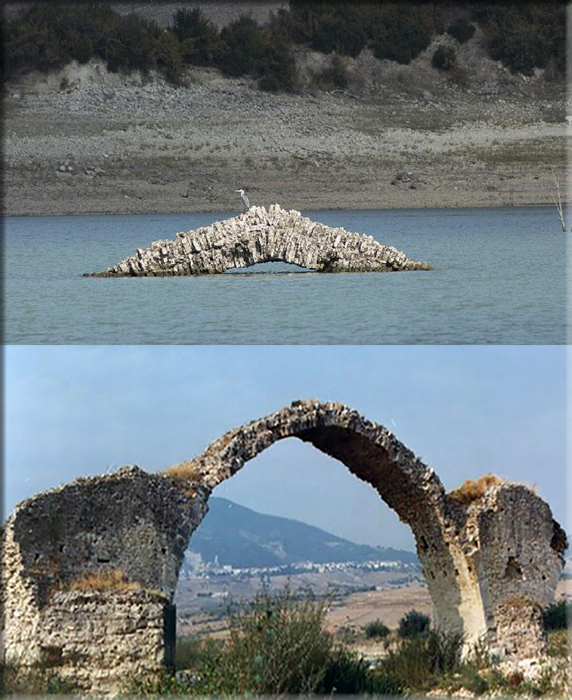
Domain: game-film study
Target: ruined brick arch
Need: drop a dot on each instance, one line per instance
(491, 562)
(261, 235)
(469, 551)
(373, 454)
(367, 449)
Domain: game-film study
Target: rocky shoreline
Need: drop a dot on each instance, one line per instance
(85, 141)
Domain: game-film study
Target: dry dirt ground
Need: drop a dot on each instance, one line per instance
(353, 612)
(389, 606)
(84, 141)
(350, 613)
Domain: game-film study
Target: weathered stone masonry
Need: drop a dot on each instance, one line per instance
(259, 236)
(490, 565)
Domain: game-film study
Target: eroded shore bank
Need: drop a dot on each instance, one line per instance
(85, 141)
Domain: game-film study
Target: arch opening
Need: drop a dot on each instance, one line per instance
(278, 267)
(280, 520)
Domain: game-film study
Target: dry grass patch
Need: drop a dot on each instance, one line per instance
(184, 472)
(472, 490)
(551, 149)
(108, 580)
(185, 475)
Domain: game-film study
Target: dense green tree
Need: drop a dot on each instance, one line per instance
(525, 36)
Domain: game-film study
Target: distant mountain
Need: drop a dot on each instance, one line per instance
(242, 537)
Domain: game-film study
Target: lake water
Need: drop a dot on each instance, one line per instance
(499, 277)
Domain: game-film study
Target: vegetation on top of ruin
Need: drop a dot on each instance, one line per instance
(472, 490)
(184, 474)
(104, 580)
(524, 37)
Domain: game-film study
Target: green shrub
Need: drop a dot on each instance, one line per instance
(525, 36)
(188, 652)
(295, 28)
(281, 644)
(136, 39)
(558, 643)
(444, 58)
(339, 30)
(200, 42)
(262, 52)
(277, 645)
(159, 683)
(35, 41)
(418, 662)
(461, 30)
(403, 31)
(276, 67)
(413, 623)
(326, 26)
(32, 682)
(376, 630)
(557, 616)
(242, 47)
(166, 56)
(349, 674)
(48, 36)
(83, 51)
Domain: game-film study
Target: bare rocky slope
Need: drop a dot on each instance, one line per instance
(83, 140)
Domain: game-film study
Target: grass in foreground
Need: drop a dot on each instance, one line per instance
(33, 682)
(277, 645)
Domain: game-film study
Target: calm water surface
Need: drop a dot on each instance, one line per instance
(499, 278)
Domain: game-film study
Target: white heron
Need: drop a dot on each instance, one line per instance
(244, 198)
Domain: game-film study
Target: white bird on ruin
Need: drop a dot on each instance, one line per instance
(244, 198)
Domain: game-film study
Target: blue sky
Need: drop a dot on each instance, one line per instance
(465, 410)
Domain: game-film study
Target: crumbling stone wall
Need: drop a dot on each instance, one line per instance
(130, 522)
(100, 640)
(263, 236)
(491, 564)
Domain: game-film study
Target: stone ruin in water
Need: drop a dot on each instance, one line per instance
(260, 236)
(492, 558)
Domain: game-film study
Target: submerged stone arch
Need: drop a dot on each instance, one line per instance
(492, 557)
(260, 235)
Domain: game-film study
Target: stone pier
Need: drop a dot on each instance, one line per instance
(492, 555)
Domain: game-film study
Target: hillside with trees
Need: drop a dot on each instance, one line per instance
(524, 37)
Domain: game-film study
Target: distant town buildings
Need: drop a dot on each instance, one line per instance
(195, 567)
